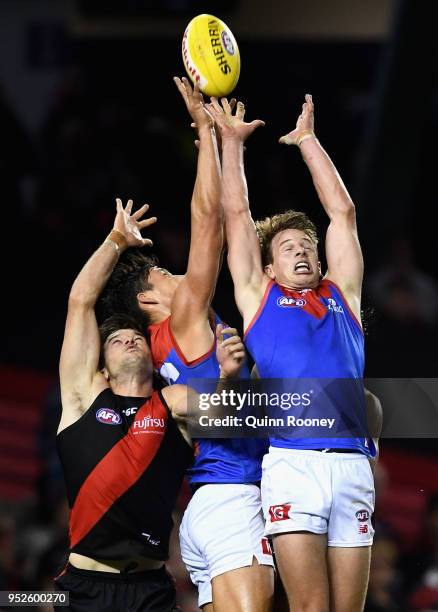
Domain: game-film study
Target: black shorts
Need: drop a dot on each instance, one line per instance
(150, 591)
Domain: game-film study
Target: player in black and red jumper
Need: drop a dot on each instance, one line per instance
(124, 447)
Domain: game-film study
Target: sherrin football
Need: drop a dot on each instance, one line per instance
(211, 55)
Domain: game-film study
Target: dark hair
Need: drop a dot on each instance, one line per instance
(290, 219)
(128, 279)
(114, 323)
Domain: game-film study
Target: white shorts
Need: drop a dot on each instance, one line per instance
(222, 530)
(332, 493)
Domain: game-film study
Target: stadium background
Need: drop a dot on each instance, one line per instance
(88, 111)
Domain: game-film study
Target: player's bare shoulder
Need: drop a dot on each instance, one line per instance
(76, 402)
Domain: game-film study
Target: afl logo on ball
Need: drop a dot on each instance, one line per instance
(108, 416)
(290, 302)
(362, 515)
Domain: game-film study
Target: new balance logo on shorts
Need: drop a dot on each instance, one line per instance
(279, 513)
(363, 516)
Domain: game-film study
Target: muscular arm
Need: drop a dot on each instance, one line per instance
(344, 256)
(244, 257)
(191, 303)
(80, 349)
(343, 252)
(80, 380)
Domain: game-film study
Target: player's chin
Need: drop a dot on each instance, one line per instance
(305, 280)
(133, 357)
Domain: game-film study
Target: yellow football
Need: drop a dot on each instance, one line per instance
(211, 56)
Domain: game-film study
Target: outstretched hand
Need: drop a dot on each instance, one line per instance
(305, 125)
(217, 131)
(194, 101)
(230, 351)
(232, 126)
(130, 225)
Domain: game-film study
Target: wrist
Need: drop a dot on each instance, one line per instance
(117, 240)
(226, 376)
(232, 142)
(305, 135)
(205, 130)
(223, 374)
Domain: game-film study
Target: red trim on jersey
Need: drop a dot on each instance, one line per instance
(181, 355)
(313, 305)
(260, 308)
(62, 572)
(160, 342)
(324, 289)
(126, 462)
(163, 341)
(353, 316)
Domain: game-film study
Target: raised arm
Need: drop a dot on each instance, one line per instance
(191, 303)
(78, 368)
(244, 258)
(343, 252)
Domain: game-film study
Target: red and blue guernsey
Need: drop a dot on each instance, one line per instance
(309, 334)
(232, 460)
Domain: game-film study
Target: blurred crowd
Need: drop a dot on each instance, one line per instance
(111, 132)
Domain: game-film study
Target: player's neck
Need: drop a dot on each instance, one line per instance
(132, 385)
(295, 288)
(160, 314)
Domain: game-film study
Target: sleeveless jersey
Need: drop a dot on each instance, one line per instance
(309, 334)
(124, 461)
(225, 460)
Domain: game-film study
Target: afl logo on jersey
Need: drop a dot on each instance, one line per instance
(108, 416)
(290, 302)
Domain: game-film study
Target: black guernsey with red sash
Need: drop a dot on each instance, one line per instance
(124, 461)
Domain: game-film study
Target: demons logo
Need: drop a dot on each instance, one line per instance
(108, 416)
(290, 302)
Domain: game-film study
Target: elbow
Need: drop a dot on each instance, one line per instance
(236, 208)
(336, 200)
(343, 201)
(80, 299)
(349, 210)
(342, 208)
(206, 221)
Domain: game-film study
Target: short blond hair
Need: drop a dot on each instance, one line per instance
(271, 226)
